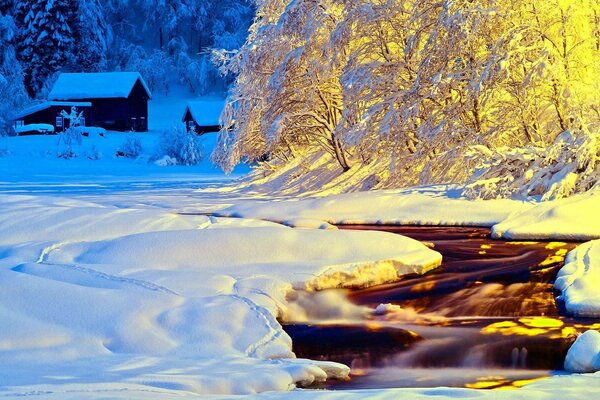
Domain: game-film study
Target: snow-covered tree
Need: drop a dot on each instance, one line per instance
(45, 41)
(12, 90)
(92, 37)
(183, 29)
(419, 88)
(285, 101)
(164, 16)
(181, 146)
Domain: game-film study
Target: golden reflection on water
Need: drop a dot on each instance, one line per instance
(501, 383)
(556, 245)
(531, 326)
(423, 287)
(557, 257)
(541, 322)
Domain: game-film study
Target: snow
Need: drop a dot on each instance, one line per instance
(90, 130)
(48, 104)
(205, 113)
(42, 128)
(573, 218)
(329, 258)
(114, 283)
(107, 286)
(87, 284)
(165, 112)
(102, 85)
(584, 354)
(112, 291)
(430, 205)
(579, 280)
(96, 161)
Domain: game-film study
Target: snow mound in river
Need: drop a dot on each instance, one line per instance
(312, 259)
(584, 354)
(579, 280)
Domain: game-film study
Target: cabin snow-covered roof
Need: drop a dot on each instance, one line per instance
(96, 85)
(205, 112)
(47, 104)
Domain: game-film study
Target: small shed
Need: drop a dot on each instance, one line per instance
(49, 112)
(203, 115)
(119, 100)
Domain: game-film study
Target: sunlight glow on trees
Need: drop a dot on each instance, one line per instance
(422, 91)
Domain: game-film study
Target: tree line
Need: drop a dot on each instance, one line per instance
(161, 39)
(500, 94)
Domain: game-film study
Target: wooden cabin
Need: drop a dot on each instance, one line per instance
(119, 100)
(49, 112)
(203, 115)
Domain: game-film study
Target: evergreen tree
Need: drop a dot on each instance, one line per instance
(12, 92)
(92, 36)
(46, 40)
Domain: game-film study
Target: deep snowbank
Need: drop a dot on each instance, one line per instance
(579, 280)
(573, 218)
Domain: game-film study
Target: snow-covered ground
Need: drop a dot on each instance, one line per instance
(574, 218)
(103, 291)
(114, 283)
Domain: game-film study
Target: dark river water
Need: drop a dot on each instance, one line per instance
(487, 318)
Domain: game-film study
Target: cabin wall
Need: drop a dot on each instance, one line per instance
(49, 115)
(40, 117)
(138, 107)
(200, 129)
(119, 114)
(112, 114)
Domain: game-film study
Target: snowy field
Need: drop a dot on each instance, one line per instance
(115, 283)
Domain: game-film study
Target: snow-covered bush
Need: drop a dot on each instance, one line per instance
(71, 136)
(570, 165)
(131, 147)
(93, 153)
(166, 161)
(181, 145)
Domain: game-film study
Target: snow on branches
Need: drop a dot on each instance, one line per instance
(422, 91)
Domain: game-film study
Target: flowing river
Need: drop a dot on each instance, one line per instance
(487, 318)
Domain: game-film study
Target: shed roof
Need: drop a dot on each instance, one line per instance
(205, 112)
(96, 85)
(47, 104)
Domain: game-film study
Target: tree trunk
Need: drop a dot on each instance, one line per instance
(339, 153)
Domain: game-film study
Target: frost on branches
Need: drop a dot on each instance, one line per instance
(500, 94)
(568, 166)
